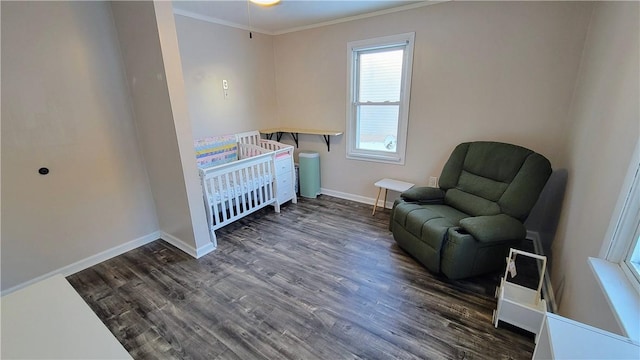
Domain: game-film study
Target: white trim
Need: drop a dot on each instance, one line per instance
(305, 27)
(361, 16)
(213, 20)
(631, 275)
(89, 261)
(353, 197)
(611, 249)
(188, 249)
(621, 296)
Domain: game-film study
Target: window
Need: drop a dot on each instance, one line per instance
(624, 246)
(617, 268)
(378, 103)
(627, 233)
(633, 257)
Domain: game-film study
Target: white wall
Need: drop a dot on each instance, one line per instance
(211, 53)
(605, 126)
(65, 105)
(182, 123)
(162, 121)
(481, 71)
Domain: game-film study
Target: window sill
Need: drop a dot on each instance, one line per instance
(376, 158)
(622, 297)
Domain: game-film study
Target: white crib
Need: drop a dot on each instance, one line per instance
(237, 188)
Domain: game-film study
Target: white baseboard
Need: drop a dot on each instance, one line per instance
(356, 198)
(115, 251)
(547, 288)
(204, 250)
(188, 249)
(90, 261)
(133, 244)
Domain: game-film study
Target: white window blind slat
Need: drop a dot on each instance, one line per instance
(380, 75)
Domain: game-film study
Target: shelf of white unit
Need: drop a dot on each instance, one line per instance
(519, 305)
(563, 338)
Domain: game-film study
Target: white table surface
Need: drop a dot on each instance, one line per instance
(395, 185)
(570, 339)
(49, 320)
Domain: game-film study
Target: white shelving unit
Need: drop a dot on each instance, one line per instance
(519, 305)
(564, 338)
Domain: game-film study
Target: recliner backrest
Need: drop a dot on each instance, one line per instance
(490, 178)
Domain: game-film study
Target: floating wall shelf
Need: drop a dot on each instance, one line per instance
(326, 134)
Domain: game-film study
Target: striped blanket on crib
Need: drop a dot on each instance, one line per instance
(216, 150)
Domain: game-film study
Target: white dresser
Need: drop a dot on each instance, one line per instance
(285, 176)
(563, 338)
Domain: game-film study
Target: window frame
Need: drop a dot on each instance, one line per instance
(625, 226)
(633, 270)
(619, 285)
(626, 234)
(353, 49)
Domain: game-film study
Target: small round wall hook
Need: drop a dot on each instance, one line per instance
(43, 171)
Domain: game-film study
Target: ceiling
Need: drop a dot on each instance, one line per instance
(288, 15)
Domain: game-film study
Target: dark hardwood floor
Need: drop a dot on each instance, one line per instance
(321, 280)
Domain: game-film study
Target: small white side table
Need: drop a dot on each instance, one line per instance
(389, 184)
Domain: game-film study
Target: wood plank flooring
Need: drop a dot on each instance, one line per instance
(321, 280)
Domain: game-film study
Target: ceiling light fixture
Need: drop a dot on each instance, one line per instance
(265, 2)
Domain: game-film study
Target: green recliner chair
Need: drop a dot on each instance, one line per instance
(466, 226)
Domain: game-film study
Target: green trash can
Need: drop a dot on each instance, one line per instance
(309, 163)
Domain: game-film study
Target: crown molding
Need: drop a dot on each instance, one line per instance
(359, 17)
(306, 27)
(213, 20)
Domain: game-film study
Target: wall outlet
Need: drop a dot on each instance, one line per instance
(433, 181)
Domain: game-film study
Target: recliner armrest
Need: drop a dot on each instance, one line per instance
(424, 195)
(494, 228)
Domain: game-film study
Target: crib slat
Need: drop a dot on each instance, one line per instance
(231, 186)
(213, 183)
(238, 184)
(223, 204)
(247, 197)
(269, 180)
(265, 187)
(241, 183)
(222, 189)
(233, 206)
(260, 173)
(255, 190)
